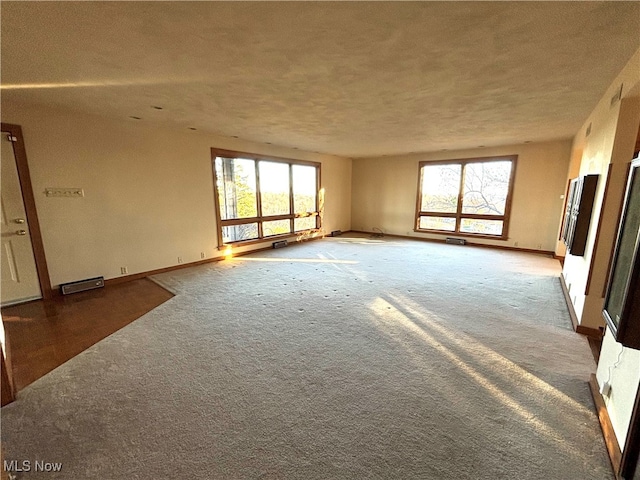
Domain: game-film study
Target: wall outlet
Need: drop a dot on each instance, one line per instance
(124, 270)
(179, 259)
(202, 255)
(515, 244)
(605, 389)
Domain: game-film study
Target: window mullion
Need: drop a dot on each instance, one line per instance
(258, 199)
(437, 214)
(291, 206)
(318, 193)
(416, 221)
(481, 216)
(460, 196)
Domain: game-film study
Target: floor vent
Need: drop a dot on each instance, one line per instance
(280, 244)
(456, 241)
(82, 285)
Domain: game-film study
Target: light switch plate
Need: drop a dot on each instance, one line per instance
(64, 192)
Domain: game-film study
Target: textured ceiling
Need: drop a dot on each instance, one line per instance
(353, 79)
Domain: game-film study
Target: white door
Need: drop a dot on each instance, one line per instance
(18, 268)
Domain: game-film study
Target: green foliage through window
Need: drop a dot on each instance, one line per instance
(260, 198)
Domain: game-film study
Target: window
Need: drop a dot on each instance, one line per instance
(466, 197)
(264, 197)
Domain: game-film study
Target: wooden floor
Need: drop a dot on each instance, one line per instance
(43, 335)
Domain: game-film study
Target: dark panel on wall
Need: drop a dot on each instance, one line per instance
(577, 219)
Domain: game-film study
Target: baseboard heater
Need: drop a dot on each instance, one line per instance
(456, 241)
(82, 285)
(280, 244)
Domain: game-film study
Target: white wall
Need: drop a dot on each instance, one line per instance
(620, 366)
(607, 151)
(385, 192)
(614, 129)
(148, 191)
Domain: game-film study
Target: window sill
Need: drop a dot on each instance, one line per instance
(270, 239)
(459, 234)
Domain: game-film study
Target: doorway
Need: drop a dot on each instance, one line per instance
(24, 271)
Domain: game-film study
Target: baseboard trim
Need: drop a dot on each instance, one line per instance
(613, 448)
(567, 299)
(136, 276)
(582, 330)
(547, 253)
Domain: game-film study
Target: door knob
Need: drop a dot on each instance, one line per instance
(19, 220)
(21, 232)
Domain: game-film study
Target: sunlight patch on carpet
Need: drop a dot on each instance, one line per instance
(389, 317)
(296, 260)
(506, 367)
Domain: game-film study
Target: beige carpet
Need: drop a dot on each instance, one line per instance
(344, 358)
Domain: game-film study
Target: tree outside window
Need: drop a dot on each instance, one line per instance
(263, 197)
(466, 197)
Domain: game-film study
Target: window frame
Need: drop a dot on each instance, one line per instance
(259, 219)
(458, 215)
